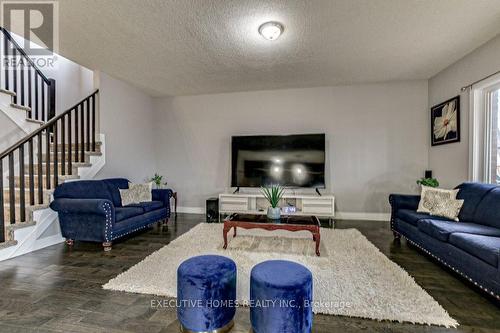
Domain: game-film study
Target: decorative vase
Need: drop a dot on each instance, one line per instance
(274, 213)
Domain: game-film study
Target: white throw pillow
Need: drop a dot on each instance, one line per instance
(430, 196)
(448, 208)
(136, 193)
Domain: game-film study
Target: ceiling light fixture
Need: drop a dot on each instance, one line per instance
(271, 30)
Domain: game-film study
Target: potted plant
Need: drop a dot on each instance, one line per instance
(430, 182)
(273, 194)
(157, 180)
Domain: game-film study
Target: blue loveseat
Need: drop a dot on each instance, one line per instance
(470, 247)
(91, 210)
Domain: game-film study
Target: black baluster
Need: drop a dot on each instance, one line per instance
(77, 159)
(47, 157)
(87, 127)
(21, 73)
(2, 212)
(37, 102)
(63, 145)
(56, 158)
(31, 172)
(12, 197)
(51, 98)
(42, 86)
(40, 169)
(14, 74)
(82, 134)
(70, 145)
(7, 63)
(93, 122)
(22, 198)
(30, 89)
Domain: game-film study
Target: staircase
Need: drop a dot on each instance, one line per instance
(56, 149)
(63, 149)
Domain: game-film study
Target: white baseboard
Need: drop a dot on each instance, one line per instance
(363, 216)
(338, 215)
(190, 210)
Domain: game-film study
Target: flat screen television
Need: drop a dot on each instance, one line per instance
(287, 160)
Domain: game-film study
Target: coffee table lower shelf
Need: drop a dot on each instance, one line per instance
(232, 222)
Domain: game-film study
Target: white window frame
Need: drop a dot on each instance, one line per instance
(480, 119)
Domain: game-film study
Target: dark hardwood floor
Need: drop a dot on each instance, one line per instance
(59, 290)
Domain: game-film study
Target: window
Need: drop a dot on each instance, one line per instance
(485, 131)
(494, 159)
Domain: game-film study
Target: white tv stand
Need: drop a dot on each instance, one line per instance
(256, 203)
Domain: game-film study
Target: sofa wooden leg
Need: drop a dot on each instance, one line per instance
(70, 242)
(165, 221)
(397, 235)
(107, 246)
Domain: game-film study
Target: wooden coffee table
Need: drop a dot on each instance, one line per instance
(290, 223)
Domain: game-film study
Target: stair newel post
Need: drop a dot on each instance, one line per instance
(56, 158)
(63, 145)
(12, 198)
(40, 168)
(76, 134)
(31, 172)
(70, 145)
(47, 157)
(93, 121)
(51, 98)
(82, 132)
(87, 127)
(22, 197)
(2, 213)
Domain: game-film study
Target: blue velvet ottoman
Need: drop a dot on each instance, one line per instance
(281, 297)
(206, 294)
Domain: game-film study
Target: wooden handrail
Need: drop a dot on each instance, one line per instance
(20, 50)
(48, 125)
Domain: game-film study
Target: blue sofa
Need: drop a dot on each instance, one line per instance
(91, 210)
(470, 247)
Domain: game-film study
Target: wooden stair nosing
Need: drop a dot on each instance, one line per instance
(8, 243)
(20, 107)
(74, 166)
(35, 121)
(17, 195)
(8, 92)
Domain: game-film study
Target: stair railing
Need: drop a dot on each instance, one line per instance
(50, 152)
(20, 75)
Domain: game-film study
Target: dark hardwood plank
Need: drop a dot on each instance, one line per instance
(57, 289)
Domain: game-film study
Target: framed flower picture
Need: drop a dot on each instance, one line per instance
(445, 122)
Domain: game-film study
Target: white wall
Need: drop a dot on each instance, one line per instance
(73, 83)
(450, 162)
(376, 138)
(127, 121)
(9, 132)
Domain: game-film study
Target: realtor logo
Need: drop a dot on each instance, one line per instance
(36, 22)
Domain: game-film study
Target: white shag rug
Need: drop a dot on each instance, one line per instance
(351, 278)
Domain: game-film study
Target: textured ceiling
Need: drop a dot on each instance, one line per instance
(188, 47)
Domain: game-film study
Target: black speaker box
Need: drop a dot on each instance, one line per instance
(212, 210)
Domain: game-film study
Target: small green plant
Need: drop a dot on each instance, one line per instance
(430, 182)
(157, 179)
(273, 194)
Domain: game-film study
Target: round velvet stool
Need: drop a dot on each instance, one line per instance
(281, 297)
(206, 294)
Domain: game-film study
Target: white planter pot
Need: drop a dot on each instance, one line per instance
(274, 213)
